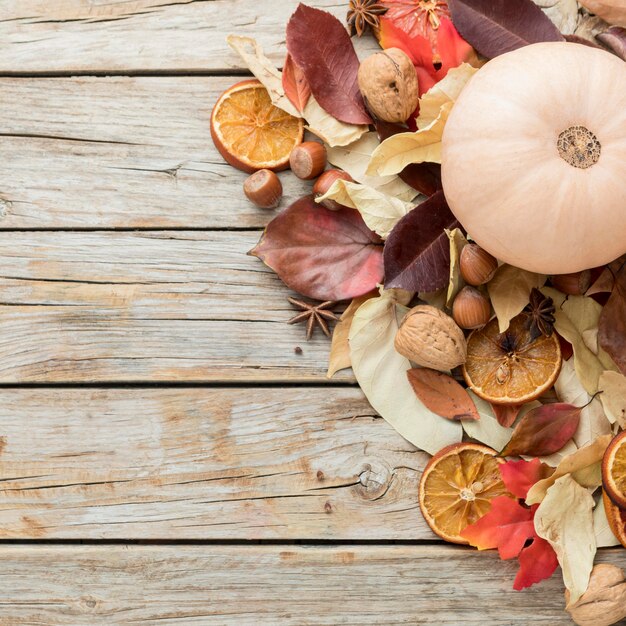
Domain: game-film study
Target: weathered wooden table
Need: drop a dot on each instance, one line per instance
(166, 456)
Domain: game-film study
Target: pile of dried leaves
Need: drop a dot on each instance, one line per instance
(395, 244)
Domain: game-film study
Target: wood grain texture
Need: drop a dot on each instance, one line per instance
(143, 35)
(277, 463)
(269, 585)
(151, 306)
(120, 153)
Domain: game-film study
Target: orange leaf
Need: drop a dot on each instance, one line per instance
(295, 84)
(506, 414)
(442, 394)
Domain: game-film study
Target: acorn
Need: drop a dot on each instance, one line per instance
(477, 265)
(471, 309)
(308, 160)
(263, 189)
(574, 284)
(325, 182)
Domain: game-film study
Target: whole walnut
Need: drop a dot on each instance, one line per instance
(388, 83)
(430, 338)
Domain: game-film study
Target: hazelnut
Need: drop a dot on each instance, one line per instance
(604, 602)
(308, 160)
(471, 309)
(574, 284)
(477, 265)
(325, 182)
(263, 188)
(429, 337)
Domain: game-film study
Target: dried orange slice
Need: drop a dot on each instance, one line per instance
(250, 132)
(614, 470)
(616, 518)
(509, 367)
(457, 487)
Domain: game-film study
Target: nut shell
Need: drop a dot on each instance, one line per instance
(477, 265)
(388, 83)
(263, 189)
(325, 182)
(471, 309)
(308, 160)
(430, 338)
(574, 284)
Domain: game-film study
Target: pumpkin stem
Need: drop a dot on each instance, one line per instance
(579, 147)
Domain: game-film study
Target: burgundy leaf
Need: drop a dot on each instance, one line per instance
(417, 251)
(423, 177)
(295, 84)
(615, 39)
(612, 324)
(322, 254)
(544, 430)
(494, 27)
(321, 47)
(581, 40)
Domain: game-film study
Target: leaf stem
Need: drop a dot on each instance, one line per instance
(593, 397)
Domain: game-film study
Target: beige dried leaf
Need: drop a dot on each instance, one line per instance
(435, 298)
(565, 520)
(604, 535)
(379, 211)
(563, 13)
(613, 396)
(487, 430)
(509, 291)
(456, 283)
(381, 374)
(327, 128)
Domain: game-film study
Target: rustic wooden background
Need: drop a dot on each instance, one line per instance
(165, 455)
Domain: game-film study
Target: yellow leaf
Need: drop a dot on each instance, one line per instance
(382, 375)
(446, 90)
(509, 291)
(400, 150)
(327, 128)
(457, 243)
(340, 348)
(379, 211)
(613, 396)
(565, 520)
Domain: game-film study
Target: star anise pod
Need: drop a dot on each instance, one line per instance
(540, 313)
(314, 315)
(363, 14)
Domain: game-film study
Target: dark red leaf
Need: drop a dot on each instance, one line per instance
(612, 324)
(615, 39)
(322, 254)
(520, 476)
(417, 251)
(544, 430)
(537, 562)
(581, 40)
(494, 27)
(321, 47)
(506, 414)
(295, 84)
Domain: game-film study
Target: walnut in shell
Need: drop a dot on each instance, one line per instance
(429, 337)
(388, 83)
(604, 602)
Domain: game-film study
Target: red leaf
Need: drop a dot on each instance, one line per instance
(321, 47)
(537, 562)
(612, 324)
(442, 394)
(520, 476)
(322, 254)
(544, 430)
(295, 84)
(494, 27)
(506, 414)
(615, 39)
(417, 251)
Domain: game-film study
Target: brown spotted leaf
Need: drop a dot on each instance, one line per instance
(442, 394)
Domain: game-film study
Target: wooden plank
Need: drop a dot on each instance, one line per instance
(277, 463)
(143, 35)
(119, 153)
(151, 306)
(269, 585)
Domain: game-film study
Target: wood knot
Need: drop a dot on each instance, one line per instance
(374, 480)
(328, 507)
(5, 207)
(320, 475)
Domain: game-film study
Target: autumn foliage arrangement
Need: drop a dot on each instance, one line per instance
(473, 221)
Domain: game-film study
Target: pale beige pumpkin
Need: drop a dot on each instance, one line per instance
(534, 157)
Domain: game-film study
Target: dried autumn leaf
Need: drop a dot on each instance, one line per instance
(295, 84)
(322, 254)
(562, 13)
(442, 394)
(355, 158)
(456, 282)
(520, 476)
(601, 529)
(494, 28)
(603, 284)
(509, 291)
(328, 129)
(565, 519)
(615, 39)
(506, 414)
(321, 47)
(379, 211)
(613, 398)
(579, 460)
(612, 324)
(544, 430)
(417, 252)
(486, 429)
(381, 374)
(509, 526)
(395, 153)
(340, 348)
